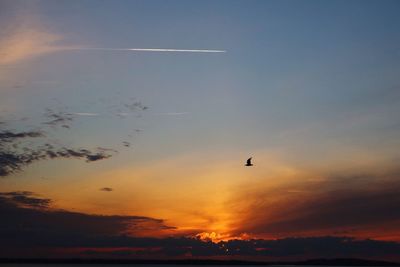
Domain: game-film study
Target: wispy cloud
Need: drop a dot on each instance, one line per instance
(172, 113)
(84, 114)
(29, 43)
(58, 118)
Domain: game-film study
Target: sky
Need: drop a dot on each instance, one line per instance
(125, 127)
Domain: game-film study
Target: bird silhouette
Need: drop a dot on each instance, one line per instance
(248, 163)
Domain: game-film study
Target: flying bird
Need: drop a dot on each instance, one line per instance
(248, 163)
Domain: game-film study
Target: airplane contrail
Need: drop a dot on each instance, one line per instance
(151, 49)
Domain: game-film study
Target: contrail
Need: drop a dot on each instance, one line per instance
(151, 49)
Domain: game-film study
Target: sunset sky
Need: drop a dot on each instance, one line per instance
(130, 122)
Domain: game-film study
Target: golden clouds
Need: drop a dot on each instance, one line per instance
(354, 204)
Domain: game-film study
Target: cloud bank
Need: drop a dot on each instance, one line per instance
(333, 206)
(32, 228)
(29, 217)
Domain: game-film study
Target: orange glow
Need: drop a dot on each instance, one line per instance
(217, 237)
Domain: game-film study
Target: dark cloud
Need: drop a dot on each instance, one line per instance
(58, 118)
(8, 136)
(95, 157)
(364, 207)
(135, 106)
(106, 189)
(25, 199)
(21, 148)
(14, 161)
(80, 153)
(29, 221)
(9, 163)
(104, 150)
(18, 150)
(30, 224)
(338, 209)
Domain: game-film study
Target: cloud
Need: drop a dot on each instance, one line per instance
(17, 152)
(58, 118)
(84, 114)
(25, 199)
(21, 148)
(106, 189)
(173, 113)
(23, 35)
(30, 224)
(12, 161)
(104, 150)
(122, 115)
(136, 106)
(8, 136)
(79, 153)
(27, 217)
(329, 207)
(27, 43)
